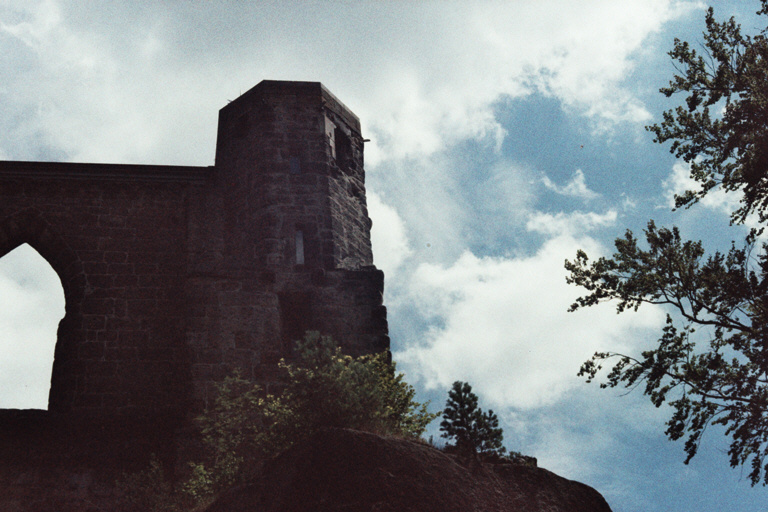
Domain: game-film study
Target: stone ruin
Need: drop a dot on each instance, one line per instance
(175, 275)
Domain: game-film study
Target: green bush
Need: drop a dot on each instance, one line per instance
(329, 389)
(323, 388)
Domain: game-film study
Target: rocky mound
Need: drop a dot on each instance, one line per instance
(349, 471)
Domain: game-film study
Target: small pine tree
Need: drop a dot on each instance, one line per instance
(490, 434)
(472, 430)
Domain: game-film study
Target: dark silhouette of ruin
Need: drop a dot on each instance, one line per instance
(175, 275)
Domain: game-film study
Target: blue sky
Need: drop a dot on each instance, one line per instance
(505, 136)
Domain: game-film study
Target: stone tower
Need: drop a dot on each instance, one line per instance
(175, 275)
(290, 158)
(298, 153)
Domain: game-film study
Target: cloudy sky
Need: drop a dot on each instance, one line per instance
(504, 137)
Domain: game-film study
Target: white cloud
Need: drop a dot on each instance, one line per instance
(506, 192)
(575, 223)
(591, 54)
(31, 305)
(502, 325)
(425, 193)
(388, 236)
(448, 204)
(628, 204)
(96, 96)
(577, 187)
(142, 82)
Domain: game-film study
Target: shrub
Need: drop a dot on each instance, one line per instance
(329, 389)
(323, 388)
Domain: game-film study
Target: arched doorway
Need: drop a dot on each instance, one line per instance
(31, 305)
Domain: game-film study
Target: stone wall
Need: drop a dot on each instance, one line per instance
(118, 248)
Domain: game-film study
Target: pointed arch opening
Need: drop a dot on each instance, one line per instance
(32, 303)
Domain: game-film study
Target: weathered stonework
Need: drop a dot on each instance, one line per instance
(175, 275)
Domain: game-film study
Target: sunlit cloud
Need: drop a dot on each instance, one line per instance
(388, 236)
(502, 323)
(577, 187)
(472, 237)
(680, 181)
(575, 223)
(718, 201)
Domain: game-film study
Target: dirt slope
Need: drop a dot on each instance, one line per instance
(349, 471)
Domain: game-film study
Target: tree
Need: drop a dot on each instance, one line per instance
(472, 430)
(728, 150)
(711, 362)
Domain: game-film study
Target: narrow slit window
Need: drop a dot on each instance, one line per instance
(332, 142)
(299, 247)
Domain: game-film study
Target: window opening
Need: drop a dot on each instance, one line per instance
(299, 247)
(330, 130)
(343, 149)
(31, 306)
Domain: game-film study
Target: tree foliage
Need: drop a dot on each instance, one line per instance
(711, 361)
(722, 378)
(326, 388)
(722, 130)
(472, 430)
